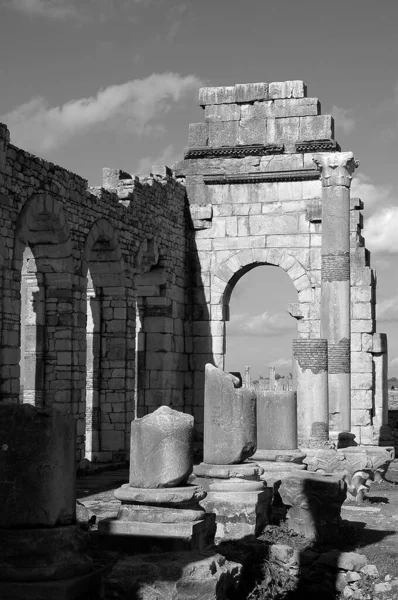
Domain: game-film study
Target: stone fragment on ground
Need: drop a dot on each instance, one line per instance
(182, 575)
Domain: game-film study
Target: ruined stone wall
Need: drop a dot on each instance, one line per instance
(255, 198)
(118, 236)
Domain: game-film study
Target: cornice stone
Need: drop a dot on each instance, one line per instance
(303, 175)
(234, 151)
(317, 146)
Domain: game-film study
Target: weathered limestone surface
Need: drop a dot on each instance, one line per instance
(230, 419)
(174, 575)
(37, 467)
(161, 449)
(276, 420)
(314, 503)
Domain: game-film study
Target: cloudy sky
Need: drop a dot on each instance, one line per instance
(93, 83)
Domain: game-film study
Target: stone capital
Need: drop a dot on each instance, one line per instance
(336, 168)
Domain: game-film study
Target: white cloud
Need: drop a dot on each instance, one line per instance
(381, 210)
(52, 9)
(381, 230)
(343, 119)
(387, 309)
(85, 10)
(281, 362)
(264, 324)
(135, 106)
(373, 196)
(167, 157)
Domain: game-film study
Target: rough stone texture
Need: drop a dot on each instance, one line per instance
(238, 514)
(179, 495)
(43, 554)
(230, 420)
(174, 575)
(37, 467)
(242, 471)
(161, 449)
(314, 503)
(276, 420)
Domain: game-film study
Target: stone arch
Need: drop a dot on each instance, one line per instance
(234, 267)
(102, 254)
(107, 334)
(43, 227)
(43, 262)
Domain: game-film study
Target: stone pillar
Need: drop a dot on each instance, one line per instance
(248, 379)
(310, 364)
(271, 378)
(380, 361)
(336, 174)
(276, 420)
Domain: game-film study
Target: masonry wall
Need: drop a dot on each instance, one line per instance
(120, 235)
(255, 198)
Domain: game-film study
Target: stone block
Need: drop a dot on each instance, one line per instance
(379, 343)
(183, 575)
(283, 130)
(362, 310)
(361, 362)
(252, 131)
(222, 112)
(161, 449)
(367, 342)
(361, 416)
(362, 325)
(319, 127)
(223, 133)
(238, 514)
(287, 89)
(230, 419)
(249, 92)
(361, 381)
(361, 399)
(314, 503)
(362, 293)
(217, 95)
(37, 467)
(198, 135)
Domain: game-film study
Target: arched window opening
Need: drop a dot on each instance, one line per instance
(32, 332)
(260, 330)
(108, 395)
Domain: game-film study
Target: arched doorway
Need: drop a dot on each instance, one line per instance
(260, 330)
(108, 393)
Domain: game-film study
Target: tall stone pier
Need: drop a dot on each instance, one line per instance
(336, 173)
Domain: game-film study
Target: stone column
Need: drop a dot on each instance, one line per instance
(248, 379)
(336, 174)
(310, 366)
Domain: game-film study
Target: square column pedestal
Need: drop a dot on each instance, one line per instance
(236, 497)
(170, 518)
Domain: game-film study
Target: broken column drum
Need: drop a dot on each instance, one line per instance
(336, 174)
(230, 434)
(157, 503)
(236, 496)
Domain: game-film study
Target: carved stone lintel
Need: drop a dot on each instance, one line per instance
(302, 175)
(336, 168)
(234, 151)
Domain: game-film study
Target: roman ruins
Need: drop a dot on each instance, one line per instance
(115, 298)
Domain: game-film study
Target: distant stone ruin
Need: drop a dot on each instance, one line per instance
(115, 298)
